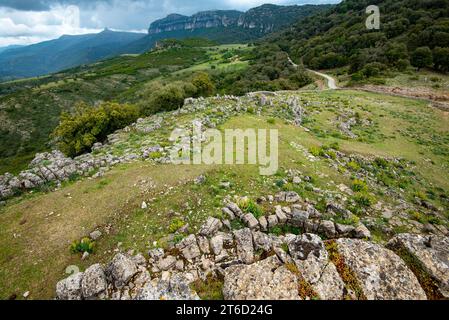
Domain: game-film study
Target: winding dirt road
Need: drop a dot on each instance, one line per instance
(331, 83)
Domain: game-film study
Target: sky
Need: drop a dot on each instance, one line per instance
(24, 22)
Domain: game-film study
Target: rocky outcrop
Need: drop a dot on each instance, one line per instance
(265, 280)
(381, 274)
(261, 20)
(428, 257)
(253, 264)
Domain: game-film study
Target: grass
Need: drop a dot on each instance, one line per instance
(28, 263)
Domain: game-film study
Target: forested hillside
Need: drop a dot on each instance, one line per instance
(412, 32)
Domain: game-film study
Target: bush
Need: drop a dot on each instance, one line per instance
(163, 98)
(77, 133)
(249, 206)
(204, 84)
(441, 59)
(422, 57)
(364, 199)
(175, 225)
(85, 245)
(359, 186)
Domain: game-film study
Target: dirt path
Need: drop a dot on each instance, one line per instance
(331, 83)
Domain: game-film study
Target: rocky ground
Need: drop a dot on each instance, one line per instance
(325, 260)
(358, 226)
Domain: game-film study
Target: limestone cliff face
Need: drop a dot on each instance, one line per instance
(264, 19)
(201, 20)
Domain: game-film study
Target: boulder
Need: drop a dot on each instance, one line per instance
(264, 280)
(250, 221)
(211, 227)
(327, 228)
(312, 260)
(70, 288)
(263, 223)
(362, 232)
(381, 274)
(292, 197)
(432, 252)
(121, 270)
(272, 221)
(94, 282)
(262, 241)
(235, 209)
(216, 244)
(245, 248)
(280, 214)
(189, 248)
(167, 263)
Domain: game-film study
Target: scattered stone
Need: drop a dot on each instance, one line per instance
(312, 260)
(203, 244)
(144, 206)
(327, 228)
(216, 244)
(235, 209)
(95, 235)
(85, 256)
(262, 241)
(292, 197)
(263, 223)
(228, 213)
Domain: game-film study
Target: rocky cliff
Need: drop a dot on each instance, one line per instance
(265, 19)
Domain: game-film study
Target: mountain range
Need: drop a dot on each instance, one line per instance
(220, 26)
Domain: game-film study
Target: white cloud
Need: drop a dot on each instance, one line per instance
(27, 27)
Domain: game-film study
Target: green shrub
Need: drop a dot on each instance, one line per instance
(82, 246)
(77, 133)
(354, 166)
(271, 121)
(249, 206)
(175, 225)
(364, 199)
(203, 83)
(359, 186)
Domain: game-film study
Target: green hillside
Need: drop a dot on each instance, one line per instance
(412, 33)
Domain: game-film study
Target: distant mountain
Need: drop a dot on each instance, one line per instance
(3, 49)
(65, 52)
(227, 26)
(220, 26)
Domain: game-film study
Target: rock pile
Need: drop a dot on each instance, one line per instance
(255, 264)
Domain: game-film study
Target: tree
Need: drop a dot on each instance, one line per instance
(78, 132)
(441, 59)
(422, 57)
(203, 83)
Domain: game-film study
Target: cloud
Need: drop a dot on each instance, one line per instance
(30, 21)
(17, 27)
